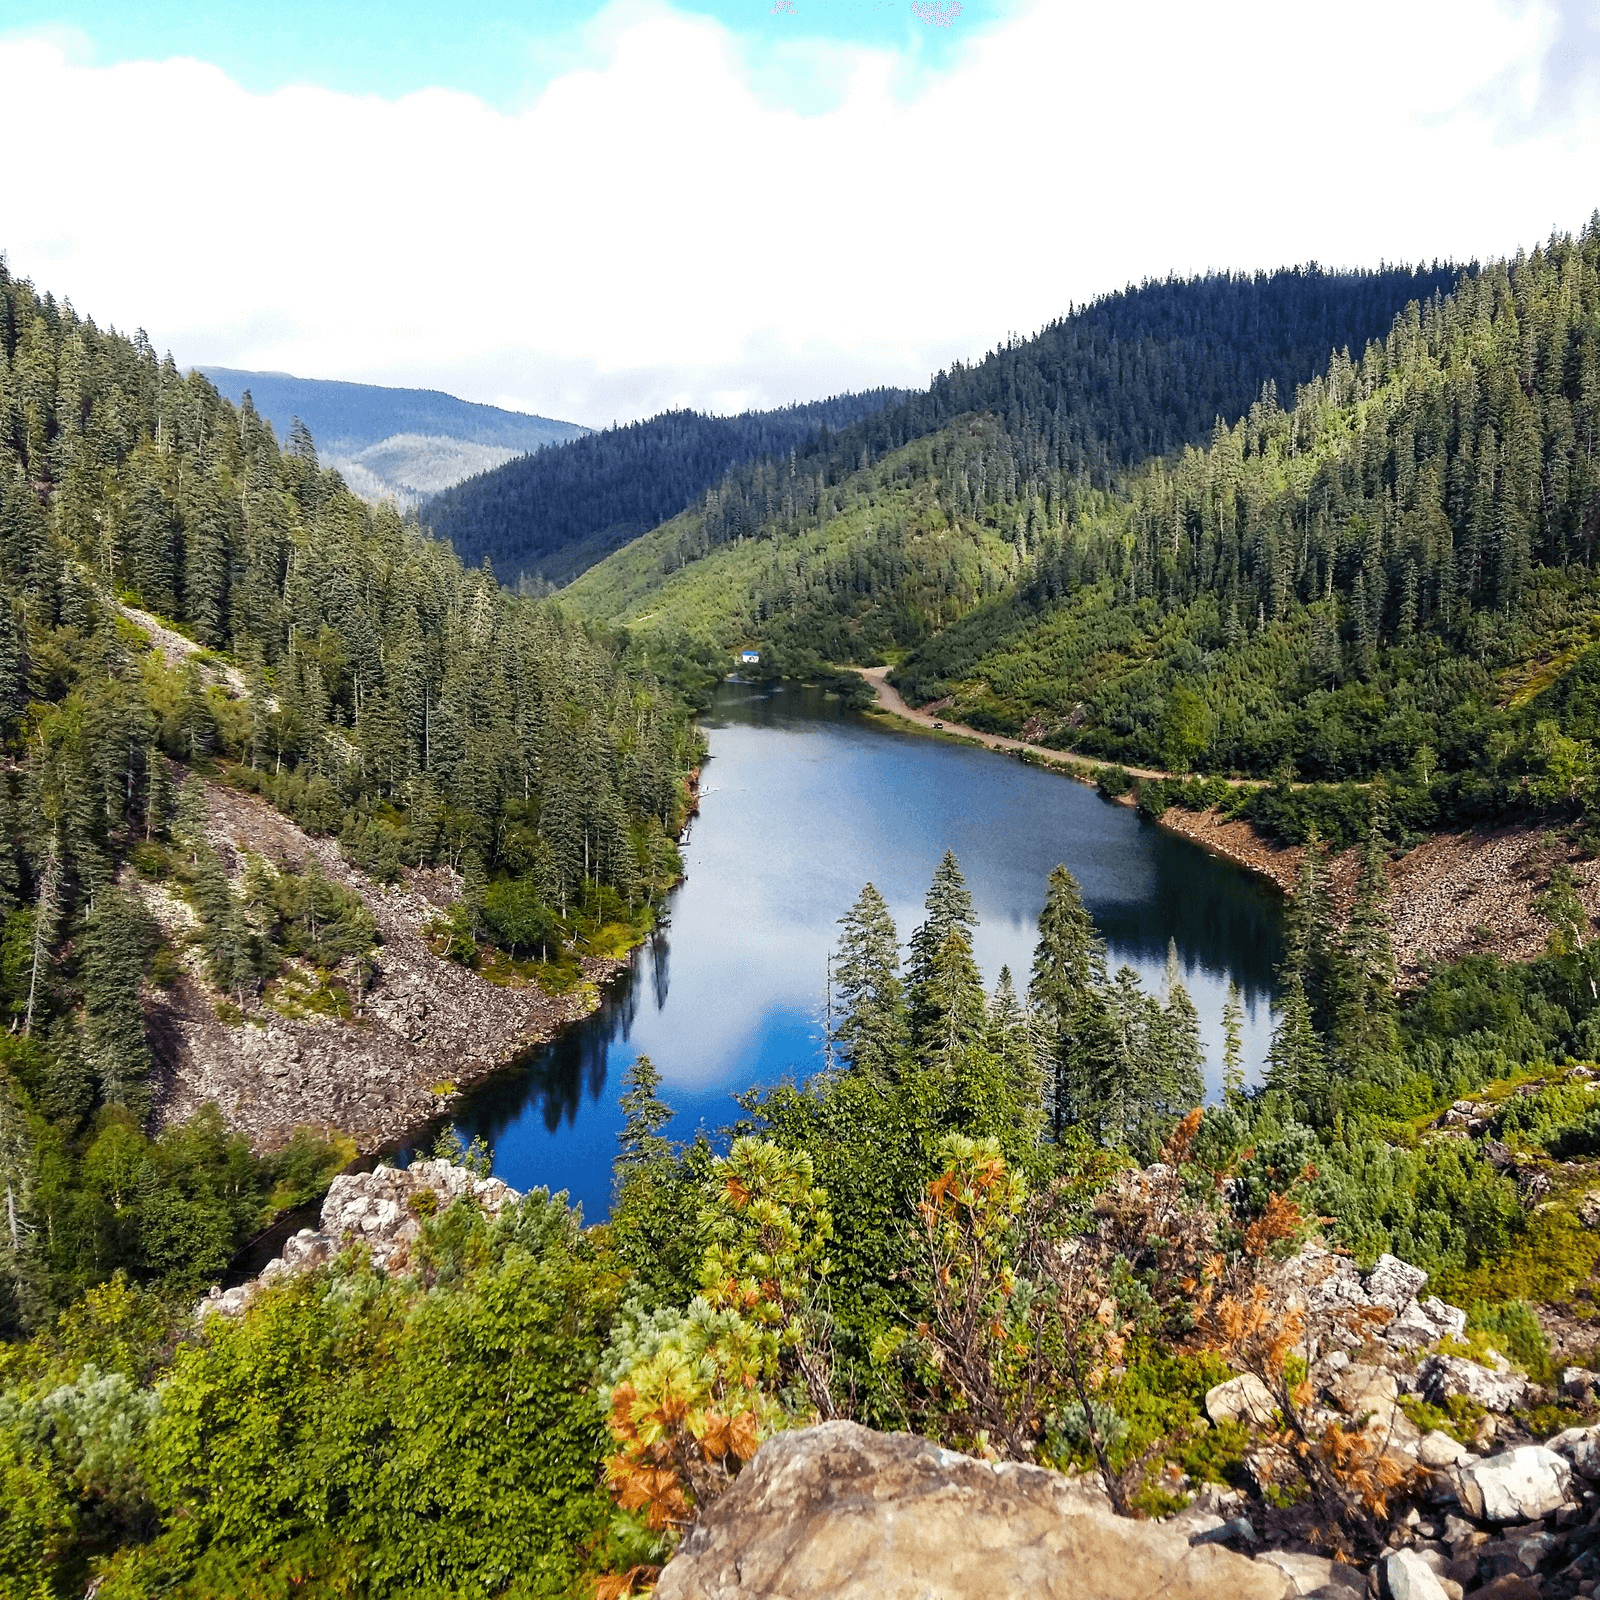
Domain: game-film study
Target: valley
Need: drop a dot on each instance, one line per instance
(766, 1071)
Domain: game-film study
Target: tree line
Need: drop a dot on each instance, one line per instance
(1394, 575)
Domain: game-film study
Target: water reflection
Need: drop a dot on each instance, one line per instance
(803, 803)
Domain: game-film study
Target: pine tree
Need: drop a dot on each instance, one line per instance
(1365, 1030)
(1296, 1061)
(189, 820)
(1065, 994)
(1182, 1084)
(937, 979)
(46, 909)
(1011, 1042)
(115, 945)
(1232, 1047)
(644, 1115)
(20, 1297)
(474, 886)
(159, 799)
(871, 1035)
(952, 1014)
(949, 907)
(197, 722)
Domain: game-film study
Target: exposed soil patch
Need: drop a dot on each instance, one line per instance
(429, 1028)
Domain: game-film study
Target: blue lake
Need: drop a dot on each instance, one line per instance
(802, 803)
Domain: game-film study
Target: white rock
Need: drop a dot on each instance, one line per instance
(1243, 1399)
(1305, 1573)
(1363, 1390)
(1426, 1322)
(1440, 1450)
(1580, 1446)
(1580, 1384)
(1394, 1283)
(1518, 1485)
(1441, 1377)
(1404, 1575)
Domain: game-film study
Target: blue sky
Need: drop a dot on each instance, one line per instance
(502, 53)
(598, 212)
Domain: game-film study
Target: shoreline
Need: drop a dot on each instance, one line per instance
(1237, 842)
(1451, 896)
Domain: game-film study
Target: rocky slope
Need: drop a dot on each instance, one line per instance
(382, 1210)
(427, 1029)
(843, 1512)
(840, 1511)
(1455, 894)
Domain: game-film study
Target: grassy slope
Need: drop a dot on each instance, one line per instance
(714, 596)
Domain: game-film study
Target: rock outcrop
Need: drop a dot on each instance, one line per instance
(842, 1512)
(428, 1027)
(383, 1210)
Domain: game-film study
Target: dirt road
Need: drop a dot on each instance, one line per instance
(889, 699)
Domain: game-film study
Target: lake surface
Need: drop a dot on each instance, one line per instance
(801, 804)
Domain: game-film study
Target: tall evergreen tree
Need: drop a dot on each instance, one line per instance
(1065, 994)
(871, 1034)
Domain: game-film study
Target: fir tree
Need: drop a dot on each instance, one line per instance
(1232, 1047)
(871, 1034)
(1065, 994)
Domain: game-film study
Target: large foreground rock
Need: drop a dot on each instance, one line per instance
(843, 1512)
(1518, 1485)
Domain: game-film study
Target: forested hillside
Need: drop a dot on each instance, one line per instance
(873, 538)
(376, 690)
(550, 516)
(1396, 574)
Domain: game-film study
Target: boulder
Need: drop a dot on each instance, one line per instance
(1589, 1210)
(1404, 1575)
(1394, 1283)
(1307, 1573)
(1580, 1385)
(1244, 1399)
(1518, 1485)
(1512, 1586)
(840, 1511)
(1425, 1322)
(383, 1210)
(1362, 1390)
(1438, 1449)
(1580, 1446)
(1441, 1377)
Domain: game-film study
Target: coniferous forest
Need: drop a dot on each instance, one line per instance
(1330, 533)
(349, 670)
(545, 517)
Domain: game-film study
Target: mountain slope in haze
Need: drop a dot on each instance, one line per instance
(402, 444)
(551, 516)
(945, 495)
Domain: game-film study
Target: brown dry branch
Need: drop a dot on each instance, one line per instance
(1263, 1314)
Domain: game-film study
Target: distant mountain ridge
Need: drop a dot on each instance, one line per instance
(553, 515)
(401, 444)
(870, 540)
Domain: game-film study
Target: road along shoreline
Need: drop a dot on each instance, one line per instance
(1453, 895)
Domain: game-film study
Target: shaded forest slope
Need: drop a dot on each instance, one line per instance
(546, 517)
(948, 490)
(329, 659)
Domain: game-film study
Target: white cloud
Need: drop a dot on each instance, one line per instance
(660, 226)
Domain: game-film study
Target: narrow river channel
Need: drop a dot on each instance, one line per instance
(802, 803)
